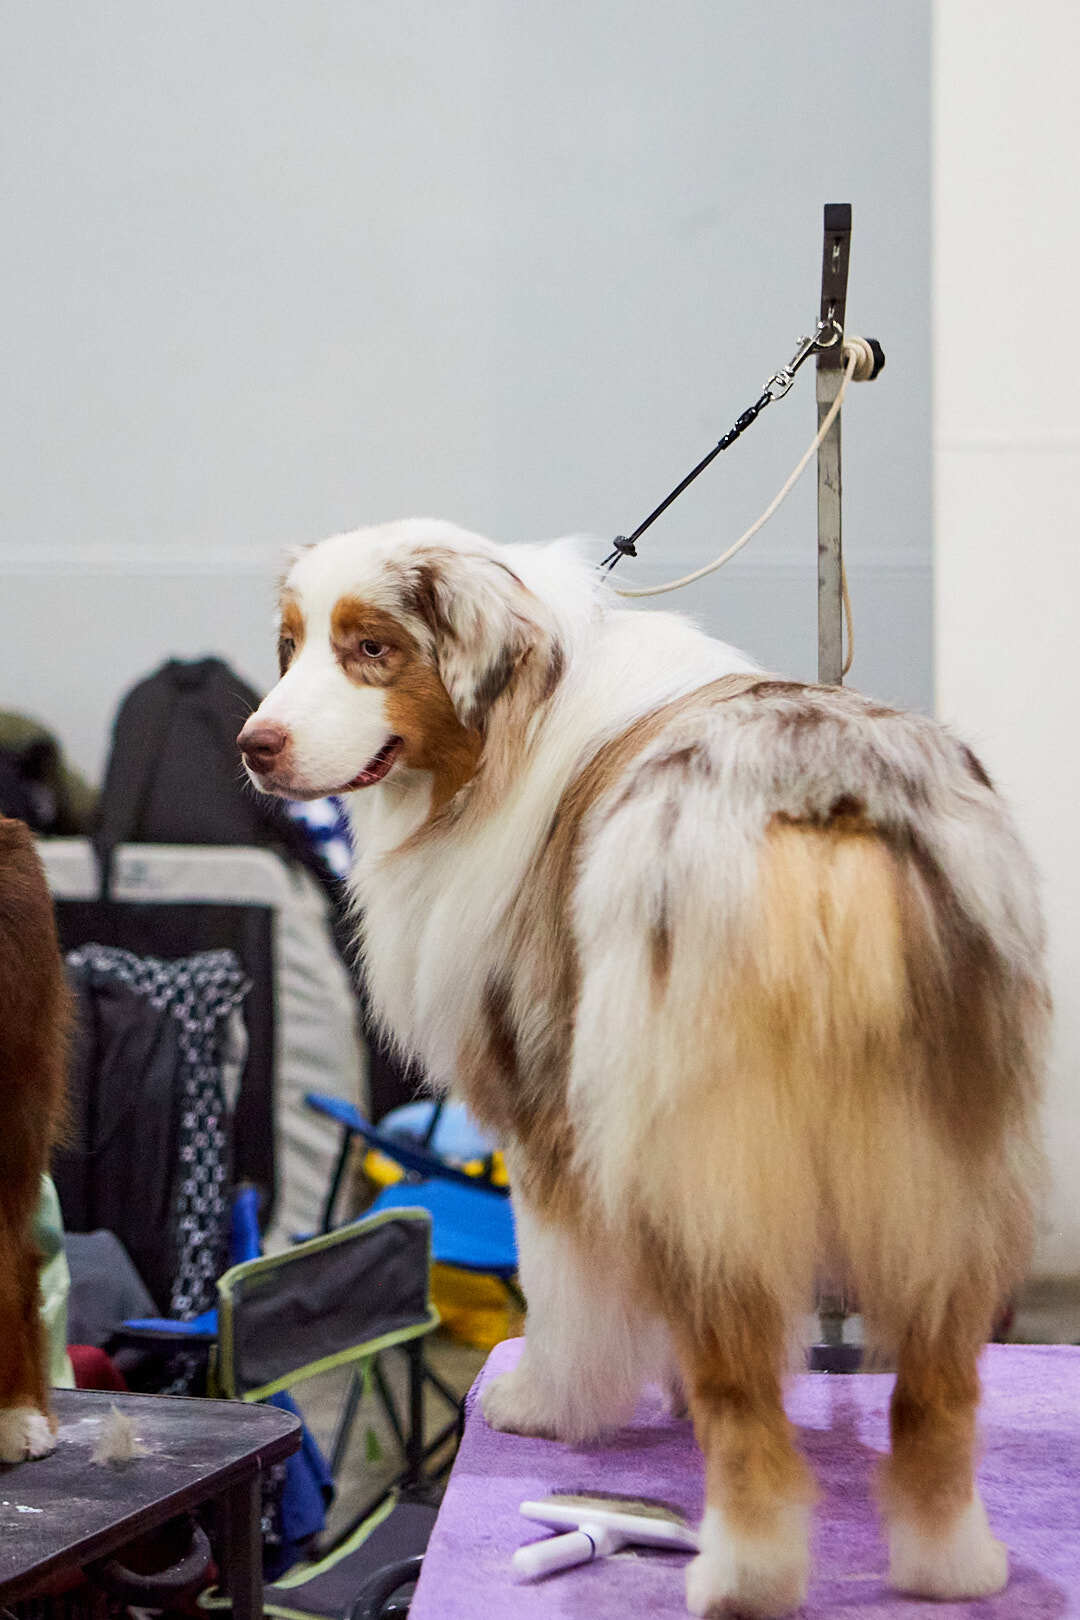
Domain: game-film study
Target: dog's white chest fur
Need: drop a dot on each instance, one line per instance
(433, 916)
(431, 924)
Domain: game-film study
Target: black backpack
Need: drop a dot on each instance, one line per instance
(174, 774)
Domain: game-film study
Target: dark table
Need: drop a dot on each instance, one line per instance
(65, 1511)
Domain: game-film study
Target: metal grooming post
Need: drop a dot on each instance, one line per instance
(831, 1354)
(830, 371)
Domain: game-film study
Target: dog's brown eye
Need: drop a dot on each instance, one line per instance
(286, 648)
(373, 649)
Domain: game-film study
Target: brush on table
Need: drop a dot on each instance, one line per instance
(597, 1525)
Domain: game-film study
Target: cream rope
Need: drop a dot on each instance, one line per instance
(849, 621)
(860, 366)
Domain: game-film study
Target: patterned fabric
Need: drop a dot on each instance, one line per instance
(201, 993)
(328, 831)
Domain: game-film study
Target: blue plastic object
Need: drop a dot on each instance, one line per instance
(455, 1136)
(472, 1223)
(470, 1227)
(245, 1239)
(202, 1328)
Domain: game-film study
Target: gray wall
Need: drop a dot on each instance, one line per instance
(276, 269)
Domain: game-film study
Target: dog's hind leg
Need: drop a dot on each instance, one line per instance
(940, 1544)
(25, 1430)
(588, 1344)
(754, 1557)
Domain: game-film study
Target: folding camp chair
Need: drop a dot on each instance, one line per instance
(472, 1223)
(340, 1299)
(344, 1298)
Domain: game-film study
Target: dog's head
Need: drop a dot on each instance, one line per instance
(395, 646)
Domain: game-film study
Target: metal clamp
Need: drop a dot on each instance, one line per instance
(827, 334)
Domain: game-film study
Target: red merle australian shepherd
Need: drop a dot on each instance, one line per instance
(746, 975)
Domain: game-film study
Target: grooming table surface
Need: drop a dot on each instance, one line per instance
(1030, 1478)
(65, 1511)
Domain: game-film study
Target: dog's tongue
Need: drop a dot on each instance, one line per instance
(376, 768)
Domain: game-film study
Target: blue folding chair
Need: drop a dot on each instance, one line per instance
(472, 1222)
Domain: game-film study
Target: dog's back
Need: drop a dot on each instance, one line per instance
(34, 1018)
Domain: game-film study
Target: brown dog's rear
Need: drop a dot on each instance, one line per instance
(34, 1018)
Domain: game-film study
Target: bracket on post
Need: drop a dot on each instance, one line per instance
(830, 371)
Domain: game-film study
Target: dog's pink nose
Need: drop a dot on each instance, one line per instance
(262, 743)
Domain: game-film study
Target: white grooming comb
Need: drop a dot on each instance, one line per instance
(596, 1526)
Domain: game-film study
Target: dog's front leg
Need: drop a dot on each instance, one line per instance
(587, 1349)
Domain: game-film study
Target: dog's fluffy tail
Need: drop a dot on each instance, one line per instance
(853, 1076)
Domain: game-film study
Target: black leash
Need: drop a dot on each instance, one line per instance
(826, 335)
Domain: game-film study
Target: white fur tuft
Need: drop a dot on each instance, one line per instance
(117, 1441)
(755, 1576)
(963, 1560)
(589, 1350)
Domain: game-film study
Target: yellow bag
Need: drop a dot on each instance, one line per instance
(475, 1309)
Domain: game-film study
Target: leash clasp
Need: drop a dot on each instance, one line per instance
(826, 335)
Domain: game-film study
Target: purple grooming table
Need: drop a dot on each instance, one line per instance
(1030, 1478)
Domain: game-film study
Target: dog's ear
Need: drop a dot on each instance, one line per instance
(489, 631)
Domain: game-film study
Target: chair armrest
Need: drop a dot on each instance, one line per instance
(409, 1156)
(201, 1329)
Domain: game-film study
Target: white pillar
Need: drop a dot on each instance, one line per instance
(1006, 166)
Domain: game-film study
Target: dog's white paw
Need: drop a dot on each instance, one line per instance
(24, 1433)
(764, 1577)
(963, 1561)
(516, 1403)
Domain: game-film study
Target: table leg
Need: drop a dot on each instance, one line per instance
(243, 1548)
